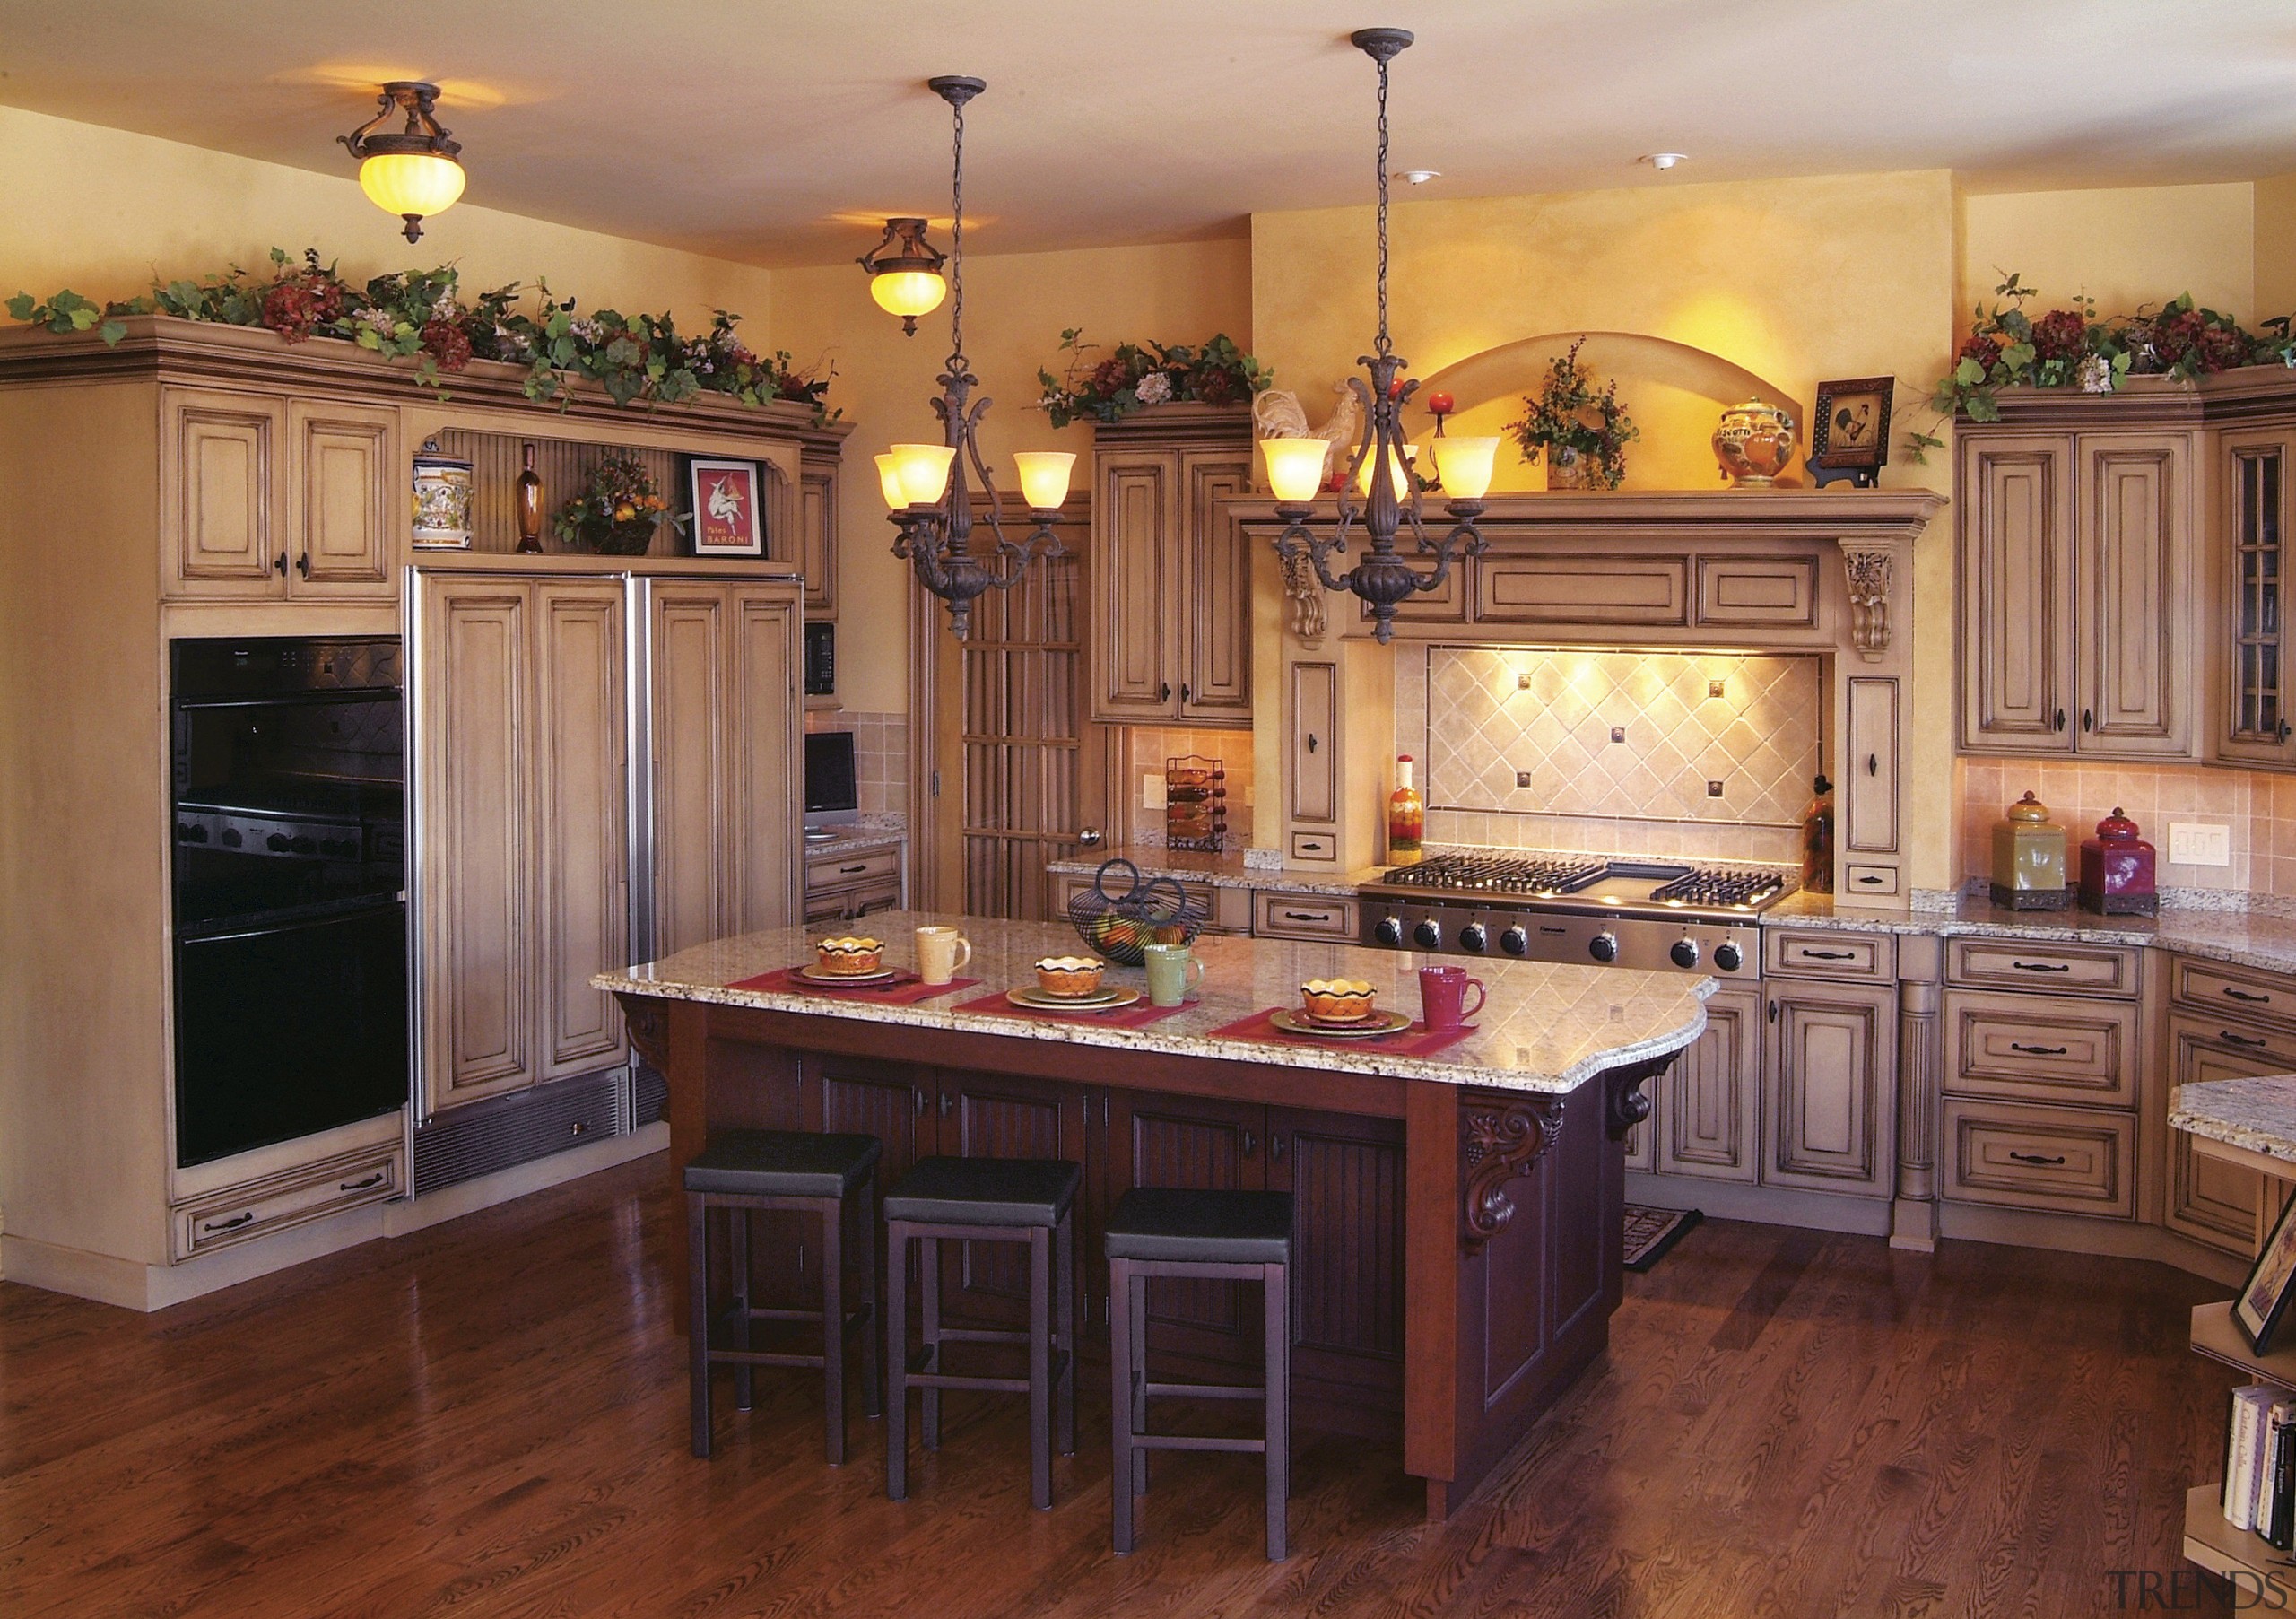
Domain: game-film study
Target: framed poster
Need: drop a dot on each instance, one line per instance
(1849, 431)
(2263, 1296)
(729, 509)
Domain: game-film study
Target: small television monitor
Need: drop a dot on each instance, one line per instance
(832, 793)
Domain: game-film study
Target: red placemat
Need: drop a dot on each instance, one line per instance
(902, 990)
(1418, 1040)
(1138, 1015)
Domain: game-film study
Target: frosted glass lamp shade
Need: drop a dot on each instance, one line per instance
(1044, 476)
(1295, 467)
(923, 470)
(889, 481)
(1396, 475)
(414, 185)
(908, 293)
(1465, 465)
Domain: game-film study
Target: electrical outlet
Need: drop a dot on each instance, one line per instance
(1151, 791)
(2199, 843)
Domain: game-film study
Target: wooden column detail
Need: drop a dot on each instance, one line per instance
(1501, 1144)
(1870, 570)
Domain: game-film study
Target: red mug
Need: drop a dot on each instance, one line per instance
(1443, 993)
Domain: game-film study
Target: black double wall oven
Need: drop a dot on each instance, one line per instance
(291, 959)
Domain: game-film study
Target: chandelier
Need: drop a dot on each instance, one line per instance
(1295, 466)
(904, 272)
(414, 172)
(926, 485)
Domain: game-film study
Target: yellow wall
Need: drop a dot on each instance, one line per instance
(100, 210)
(2275, 246)
(2122, 246)
(1016, 307)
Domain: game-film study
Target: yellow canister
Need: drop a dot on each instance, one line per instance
(2029, 858)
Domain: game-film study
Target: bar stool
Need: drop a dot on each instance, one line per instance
(1215, 1236)
(1028, 1200)
(745, 1170)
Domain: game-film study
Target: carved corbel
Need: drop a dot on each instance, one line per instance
(1870, 570)
(649, 1022)
(1306, 594)
(1502, 1143)
(1623, 1104)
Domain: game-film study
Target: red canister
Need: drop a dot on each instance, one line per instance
(2116, 870)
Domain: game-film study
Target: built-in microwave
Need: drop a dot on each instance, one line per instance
(821, 660)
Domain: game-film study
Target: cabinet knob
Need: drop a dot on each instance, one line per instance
(303, 564)
(1164, 691)
(1773, 1012)
(1873, 764)
(2088, 720)
(2060, 721)
(1312, 743)
(280, 562)
(1251, 1144)
(2286, 728)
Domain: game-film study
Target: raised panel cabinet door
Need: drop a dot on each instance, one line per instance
(1200, 1144)
(1869, 760)
(2016, 593)
(1218, 633)
(763, 713)
(817, 531)
(1705, 1119)
(2250, 646)
(220, 482)
(2134, 518)
(2209, 1200)
(473, 724)
(581, 794)
(1829, 1099)
(1136, 610)
(1004, 1115)
(1314, 745)
(1346, 1175)
(346, 499)
(691, 626)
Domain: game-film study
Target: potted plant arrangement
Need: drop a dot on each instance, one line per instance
(616, 512)
(1135, 376)
(1581, 431)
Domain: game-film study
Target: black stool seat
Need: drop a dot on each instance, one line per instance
(1216, 1228)
(985, 1191)
(782, 1164)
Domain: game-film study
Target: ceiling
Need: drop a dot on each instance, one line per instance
(774, 132)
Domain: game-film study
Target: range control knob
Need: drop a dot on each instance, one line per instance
(1603, 947)
(1684, 953)
(1728, 957)
(1515, 941)
(1428, 935)
(231, 839)
(303, 845)
(1389, 930)
(276, 843)
(1473, 937)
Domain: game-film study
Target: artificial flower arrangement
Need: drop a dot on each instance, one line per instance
(1137, 374)
(2074, 347)
(1568, 413)
(617, 510)
(417, 315)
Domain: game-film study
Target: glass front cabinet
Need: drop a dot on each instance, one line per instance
(2252, 653)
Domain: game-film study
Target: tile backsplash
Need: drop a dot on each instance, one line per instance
(2258, 808)
(880, 758)
(1612, 751)
(1143, 752)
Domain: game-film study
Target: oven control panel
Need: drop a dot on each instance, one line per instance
(293, 838)
(1653, 945)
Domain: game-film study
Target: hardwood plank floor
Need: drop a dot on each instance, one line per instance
(488, 1418)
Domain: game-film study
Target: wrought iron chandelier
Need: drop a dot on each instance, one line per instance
(926, 484)
(1295, 466)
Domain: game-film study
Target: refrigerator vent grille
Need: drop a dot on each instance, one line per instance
(467, 1142)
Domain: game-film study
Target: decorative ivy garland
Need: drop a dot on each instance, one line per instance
(1135, 376)
(417, 315)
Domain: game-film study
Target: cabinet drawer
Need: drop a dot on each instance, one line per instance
(1873, 881)
(2057, 968)
(1277, 915)
(2213, 989)
(241, 1214)
(1778, 592)
(845, 904)
(1314, 845)
(2064, 1160)
(2015, 1046)
(1224, 909)
(1582, 589)
(1814, 953)
(836, 871)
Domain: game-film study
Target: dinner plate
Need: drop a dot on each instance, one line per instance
(1371, 1028)
(1108, 997)
(812, 975)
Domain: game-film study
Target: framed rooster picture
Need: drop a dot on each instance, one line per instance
(729, 513)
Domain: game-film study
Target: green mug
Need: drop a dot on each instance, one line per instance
(1173, 972)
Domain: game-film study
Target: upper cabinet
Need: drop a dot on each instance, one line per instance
(1171, 580)
(2077, 591)
(2249, 547)
(817, 536)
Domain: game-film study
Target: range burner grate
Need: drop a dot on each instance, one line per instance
(1492, 873)
(1737, 889)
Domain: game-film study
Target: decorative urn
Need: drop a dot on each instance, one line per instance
(2029, 858)
(2116, 870)
(1755, 441)
(442, 484)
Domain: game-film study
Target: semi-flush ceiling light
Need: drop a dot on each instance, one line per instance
(1663, 161)
(414, 172)
(905, 273)
(1382, 577)
(926, 484)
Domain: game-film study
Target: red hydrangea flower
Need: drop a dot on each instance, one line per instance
(2060, 334)
(2222, 349)
(1986, 351)
(446, 343)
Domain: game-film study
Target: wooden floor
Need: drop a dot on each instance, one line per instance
(489, 1418)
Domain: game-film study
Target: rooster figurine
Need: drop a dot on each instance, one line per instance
(1277, 413)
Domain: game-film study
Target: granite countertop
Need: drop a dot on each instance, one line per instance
(1229, 870)
(2243, 938)
(2258, 1114)
(858, 839)
(1546, 1029)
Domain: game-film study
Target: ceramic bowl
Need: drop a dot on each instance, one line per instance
(1337, 1000)
(1076, 975)
(847, 955)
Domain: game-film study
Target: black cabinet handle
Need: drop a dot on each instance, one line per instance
(2243, 995)
(1275, 1148)
(225, 1225)
(2230, 1039)
(948, 1102)
(1873, 764)
(303, 564)
(847, 871)
(1307, 916)
(360, 1186)
(281, 564)
(1312, 743)
(1830, 955)
(2037, 1050)
(2287, 726)
(2060, 721)
(2040, 966)
(2087, 722)
(1773, 1012)
(1164, 691)
(1187, 695)
(1870, 881)
(2037, 1158)
(1251, 1143)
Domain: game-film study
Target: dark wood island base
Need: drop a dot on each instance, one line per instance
(1459, 1248)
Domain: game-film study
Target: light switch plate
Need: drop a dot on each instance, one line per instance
(2199, 843)
(1151, 791)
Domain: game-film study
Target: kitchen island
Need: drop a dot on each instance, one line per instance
(1460, 1211)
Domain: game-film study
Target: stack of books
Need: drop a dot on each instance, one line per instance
(2260, 1464)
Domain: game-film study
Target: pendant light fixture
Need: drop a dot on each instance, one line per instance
(905, 273)
(926, 485)
(414, 172)
(1295, 466)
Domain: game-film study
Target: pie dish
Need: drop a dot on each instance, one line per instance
(1337, 1000)
(1069, 976)
(847, 957)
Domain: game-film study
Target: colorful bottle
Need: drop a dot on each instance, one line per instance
(1406, 815)
(1817, 841)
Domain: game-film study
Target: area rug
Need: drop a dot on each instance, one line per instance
(1651, 1231)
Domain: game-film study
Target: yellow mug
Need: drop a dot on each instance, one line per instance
(940, 952)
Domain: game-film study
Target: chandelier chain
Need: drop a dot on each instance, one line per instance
(1383, 346)
(957, 241)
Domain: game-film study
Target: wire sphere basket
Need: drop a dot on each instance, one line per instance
(1115, 922)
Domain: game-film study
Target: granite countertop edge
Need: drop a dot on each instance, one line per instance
(2258, 1114)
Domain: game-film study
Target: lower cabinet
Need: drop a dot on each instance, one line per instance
(2207, 1199)
(844, 886)
(1703, 1119)
(1830, 1087)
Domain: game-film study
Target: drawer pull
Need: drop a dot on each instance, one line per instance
(360, 1186)
(232, 1223)
(2243, 995)
(2038, 1157)
(847, 871)
(1307, 916)
(2037, 1050)
(1870, 881)
(2040, 966)
(1830, 955)
(2230, 1039)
